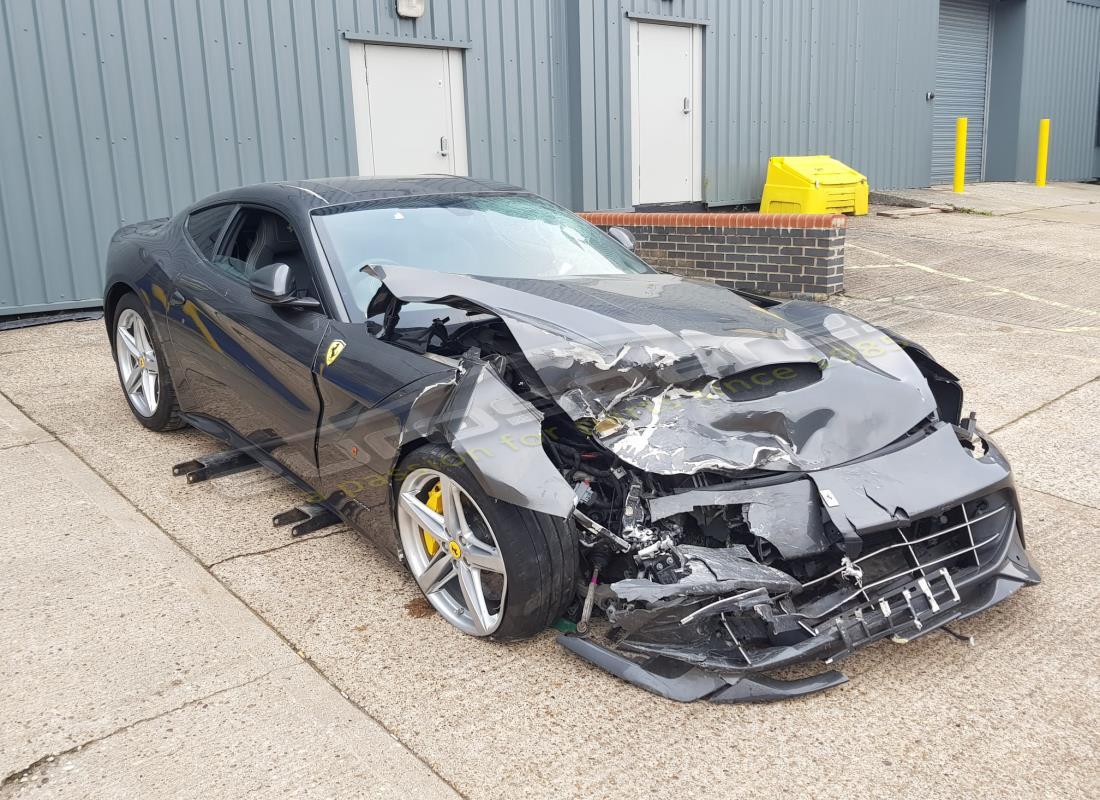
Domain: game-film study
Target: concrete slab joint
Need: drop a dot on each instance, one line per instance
(783, 255)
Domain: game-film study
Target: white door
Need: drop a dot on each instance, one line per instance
(666, 126)
(409, 110)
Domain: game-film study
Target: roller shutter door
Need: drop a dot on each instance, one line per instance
(962, 81)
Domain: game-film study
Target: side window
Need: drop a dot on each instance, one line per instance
(257, 238)
(204, 226)
(232, 258)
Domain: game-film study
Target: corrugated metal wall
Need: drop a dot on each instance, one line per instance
(782, 77)
(122, 110)
(1005, 75)
(1061, 71)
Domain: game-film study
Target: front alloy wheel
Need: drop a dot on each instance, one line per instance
(452, 552)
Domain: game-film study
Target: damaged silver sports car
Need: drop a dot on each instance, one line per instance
(708, 486)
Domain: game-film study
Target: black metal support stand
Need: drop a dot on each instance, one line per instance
(309, 517)
(216, 465)
(306, 518)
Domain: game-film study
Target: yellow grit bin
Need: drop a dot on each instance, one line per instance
(813, 185)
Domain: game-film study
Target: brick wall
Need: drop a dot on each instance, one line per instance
(785, 255)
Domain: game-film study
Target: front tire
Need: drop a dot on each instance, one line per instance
(142, 368)
(488, 567)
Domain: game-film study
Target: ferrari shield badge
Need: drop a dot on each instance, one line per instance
(334, 351)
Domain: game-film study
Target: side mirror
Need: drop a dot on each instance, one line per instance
(274, 284)
(622, 236)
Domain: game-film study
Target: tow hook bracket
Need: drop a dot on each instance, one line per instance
(307, 518)
(216, 465)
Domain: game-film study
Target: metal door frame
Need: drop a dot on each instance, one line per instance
(455, 72)
(697, 70)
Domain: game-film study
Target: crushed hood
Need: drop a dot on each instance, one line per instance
(676, 376)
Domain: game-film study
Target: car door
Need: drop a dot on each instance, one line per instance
(188, 321)
(249, 364)
(367, 387)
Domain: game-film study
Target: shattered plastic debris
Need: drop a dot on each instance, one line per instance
(785, 515)
(712, 571)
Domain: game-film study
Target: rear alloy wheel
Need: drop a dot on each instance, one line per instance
(452, 552)
(138, 368)
(142, 370)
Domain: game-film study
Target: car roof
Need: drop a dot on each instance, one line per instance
(306, 195)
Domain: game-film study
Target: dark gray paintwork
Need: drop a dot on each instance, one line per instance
(883, 492)
(674, 680)
(500, 435)
(257, 371)
(680, 683)
(663, 356)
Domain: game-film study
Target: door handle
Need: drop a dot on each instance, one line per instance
(176, 298)
(687, 105)
(444, 146)
(191, 282)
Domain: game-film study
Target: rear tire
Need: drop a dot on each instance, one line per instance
(142, 368)
(539, 552)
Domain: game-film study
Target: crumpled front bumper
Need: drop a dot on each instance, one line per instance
(681, 675)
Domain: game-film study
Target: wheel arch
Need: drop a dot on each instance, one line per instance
(403, 451)
(115, 292)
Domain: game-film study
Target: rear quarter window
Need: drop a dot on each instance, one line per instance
(204, 226)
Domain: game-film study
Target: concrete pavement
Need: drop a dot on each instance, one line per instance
(128, 670)
(1057, 201)
(1014, 314)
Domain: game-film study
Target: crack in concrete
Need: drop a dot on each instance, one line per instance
(14, 777)
(307, 538)
(1053, 496)
(24, 444)
(1047, 404)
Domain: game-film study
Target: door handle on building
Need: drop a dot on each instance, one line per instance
(443, 145)
(687, 105)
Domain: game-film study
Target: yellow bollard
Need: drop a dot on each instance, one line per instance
(1041, 154)
(960, 154)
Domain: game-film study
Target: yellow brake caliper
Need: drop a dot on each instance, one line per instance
(435, 503)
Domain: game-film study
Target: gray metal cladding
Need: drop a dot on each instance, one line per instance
(121, 111)
(962, 71)
(1061, 80)
(845, 78)
(124, 111)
